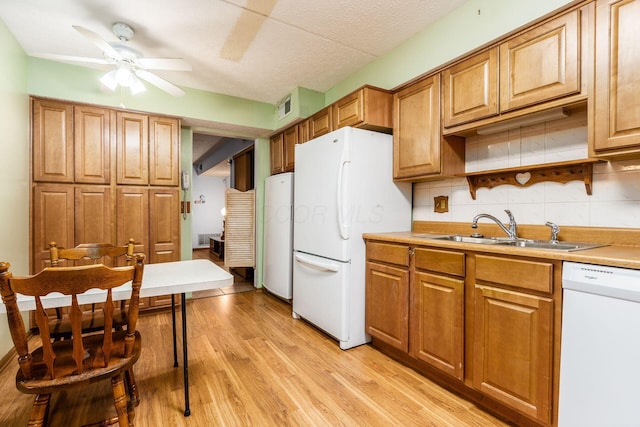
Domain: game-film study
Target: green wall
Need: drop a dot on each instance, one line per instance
(14, 164)
(186, 164)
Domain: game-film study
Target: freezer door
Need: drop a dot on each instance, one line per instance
(278, 235)
(321, 196)
(321, 294)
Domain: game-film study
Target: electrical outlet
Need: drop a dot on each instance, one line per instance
(441, 204)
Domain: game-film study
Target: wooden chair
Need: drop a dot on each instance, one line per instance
(88, 253)
(84, 359)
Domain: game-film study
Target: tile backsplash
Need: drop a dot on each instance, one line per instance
(616, 185)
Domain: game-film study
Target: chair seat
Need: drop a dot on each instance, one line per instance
(92, 321)
(66, 367)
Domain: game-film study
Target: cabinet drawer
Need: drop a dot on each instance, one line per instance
(537, 276)
(388, 253)
(440, 261)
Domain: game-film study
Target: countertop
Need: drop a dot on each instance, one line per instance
(612, 255)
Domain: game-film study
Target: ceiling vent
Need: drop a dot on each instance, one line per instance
(284, 108)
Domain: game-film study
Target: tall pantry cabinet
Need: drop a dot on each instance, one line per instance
(104, 175)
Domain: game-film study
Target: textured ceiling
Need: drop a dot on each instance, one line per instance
(254, 49)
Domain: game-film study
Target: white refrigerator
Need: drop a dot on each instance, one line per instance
(343, 187)
(278, 235)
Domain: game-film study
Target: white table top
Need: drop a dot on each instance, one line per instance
(158, 279)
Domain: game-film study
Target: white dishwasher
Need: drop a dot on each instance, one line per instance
(600, 354)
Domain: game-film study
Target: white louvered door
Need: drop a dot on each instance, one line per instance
(239, 230)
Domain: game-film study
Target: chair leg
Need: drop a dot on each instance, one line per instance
(125, 418)
(130, 380)
(40, 411)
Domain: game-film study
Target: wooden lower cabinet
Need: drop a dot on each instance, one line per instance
(437, 310)
(437, 322)
(513, 343)
(487, 326)
(513, 338)
(387, 289)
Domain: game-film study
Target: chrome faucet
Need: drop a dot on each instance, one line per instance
(512, 231)
(555, 229)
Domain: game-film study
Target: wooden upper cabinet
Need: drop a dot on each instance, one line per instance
(164, 151)
(303, 131)
(290, 139)
(616, 101)
(321, 122)
(276, 153)
(541, 64)
(367, 108)
(92, 140)
(132, 148)
(52, 133)
(416, 129)
(470, 89)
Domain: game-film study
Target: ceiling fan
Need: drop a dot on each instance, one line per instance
(130, 64)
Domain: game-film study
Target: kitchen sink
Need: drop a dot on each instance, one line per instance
(547, 244)
(463, 239)
(520, 243)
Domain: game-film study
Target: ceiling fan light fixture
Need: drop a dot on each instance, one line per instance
(124, 76)
(137, 86)
(109, 80)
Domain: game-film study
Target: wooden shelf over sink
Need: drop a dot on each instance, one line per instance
(524, 176)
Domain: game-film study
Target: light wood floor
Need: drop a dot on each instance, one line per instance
(251, 363)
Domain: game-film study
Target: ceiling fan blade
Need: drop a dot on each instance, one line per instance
(160, 82)
(55, 57)
(175, 64)
(98, 41)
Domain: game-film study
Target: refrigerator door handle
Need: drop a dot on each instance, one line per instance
(317, 265)
(343, 227)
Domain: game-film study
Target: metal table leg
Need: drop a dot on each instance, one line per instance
(173, 318)
(187, 410)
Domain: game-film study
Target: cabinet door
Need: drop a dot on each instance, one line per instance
(290, 139)
(367, 108)
(52, 133)
(132, 217)
(276, 153)
(164, 228)
(93, 220)
(92, 140)
(321, 123)
(53, 219)
(243, 166)
(617, 80)
(512, 350)
(437, 323)
(303, 132)
(164, 151)
(387, 304)
(470, 89)
(416, 130)
(541, 64)
(132, 148)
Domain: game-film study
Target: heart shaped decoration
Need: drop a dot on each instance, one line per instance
(523, 177)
